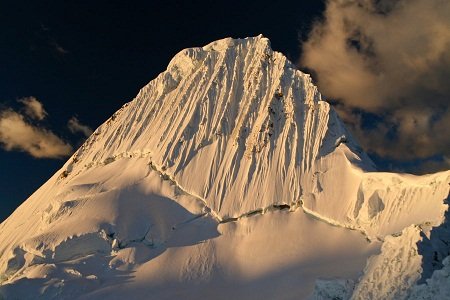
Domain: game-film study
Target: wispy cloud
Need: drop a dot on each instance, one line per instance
(57, 47)
(33, 108)
(17, 134)
(391, 59)
(76, 126)
(45, 38)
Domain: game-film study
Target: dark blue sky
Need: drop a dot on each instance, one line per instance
(87, 58)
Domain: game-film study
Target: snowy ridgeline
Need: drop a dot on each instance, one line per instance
(227, 177)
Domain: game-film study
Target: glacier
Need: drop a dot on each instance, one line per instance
(228, 176)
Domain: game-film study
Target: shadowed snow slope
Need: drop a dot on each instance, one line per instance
(227, 170)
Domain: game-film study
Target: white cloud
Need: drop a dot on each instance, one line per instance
(33, 108)
(75, 126)
(390, 58)
(17, 134)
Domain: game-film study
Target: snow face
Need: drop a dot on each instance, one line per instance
(228, 169)
(392, 273)
(234, 111)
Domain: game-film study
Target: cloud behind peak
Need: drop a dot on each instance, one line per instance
(392, 59)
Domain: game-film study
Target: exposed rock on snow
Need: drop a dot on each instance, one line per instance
(226, 170)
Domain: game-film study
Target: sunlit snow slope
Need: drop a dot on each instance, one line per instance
(226, 177)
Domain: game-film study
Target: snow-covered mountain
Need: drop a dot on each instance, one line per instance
(227, 177)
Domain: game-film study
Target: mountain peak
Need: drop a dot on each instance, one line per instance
(236, 112)
(231, 145)
(249, 42)
(188, 60)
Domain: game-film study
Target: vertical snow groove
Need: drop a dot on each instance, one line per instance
(235, 112)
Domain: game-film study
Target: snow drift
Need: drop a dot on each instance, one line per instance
(227, 170)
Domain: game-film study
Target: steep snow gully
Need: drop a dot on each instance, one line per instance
(228, 177)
